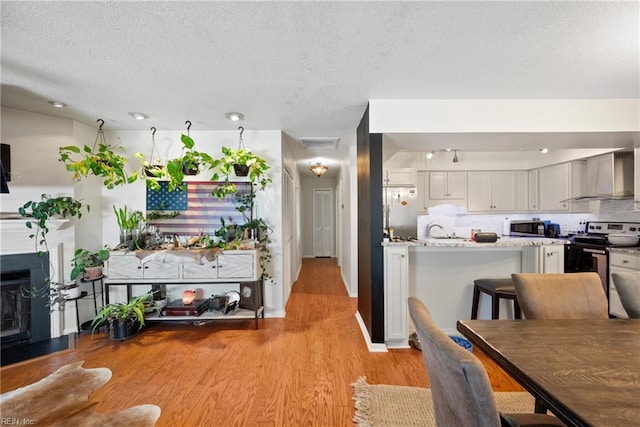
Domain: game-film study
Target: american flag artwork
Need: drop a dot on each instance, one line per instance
(198, 210)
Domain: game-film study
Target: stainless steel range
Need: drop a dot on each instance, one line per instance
(588, 252)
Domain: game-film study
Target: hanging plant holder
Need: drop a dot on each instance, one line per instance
(241, 169)
(190, 166)
(154, 167)
(99, 160)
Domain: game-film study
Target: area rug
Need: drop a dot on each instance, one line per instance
(399, 406)
(62, 398)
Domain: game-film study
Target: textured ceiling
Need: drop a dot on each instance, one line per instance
(307, 68)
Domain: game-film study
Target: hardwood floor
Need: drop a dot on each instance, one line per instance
(294, 371)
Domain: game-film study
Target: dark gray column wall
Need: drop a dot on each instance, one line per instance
(370, 223)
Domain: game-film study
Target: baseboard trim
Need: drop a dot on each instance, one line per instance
(373, 347)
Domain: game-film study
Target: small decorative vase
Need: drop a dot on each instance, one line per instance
(92, 273)
(71, 292)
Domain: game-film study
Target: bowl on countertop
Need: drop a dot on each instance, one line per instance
(623, 239)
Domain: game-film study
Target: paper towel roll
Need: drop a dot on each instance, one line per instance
(506, 227)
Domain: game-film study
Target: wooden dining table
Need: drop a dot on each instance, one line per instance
(586, 372)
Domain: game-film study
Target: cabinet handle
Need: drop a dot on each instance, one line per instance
(401, 256)
(625, 261)
(146, 267)
(139, 267)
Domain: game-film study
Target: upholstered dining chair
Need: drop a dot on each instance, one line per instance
(460, 387)
(561, 296)
(628, 287)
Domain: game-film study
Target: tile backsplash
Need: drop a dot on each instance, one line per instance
(462, 223)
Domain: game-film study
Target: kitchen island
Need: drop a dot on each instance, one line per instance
(441, 273)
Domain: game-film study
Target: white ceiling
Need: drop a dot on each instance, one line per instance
(308, 68)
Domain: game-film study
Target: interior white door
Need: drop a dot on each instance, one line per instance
(322, 221)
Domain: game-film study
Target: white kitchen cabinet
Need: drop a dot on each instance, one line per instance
(553, 259)
(543, 259)
(422, 188)
(522, 191)
(396, 288)
(399, 177)
(447, 187)
(495, 191)
(636, 180)
(560, 184)
(534, 198)
(620, 262)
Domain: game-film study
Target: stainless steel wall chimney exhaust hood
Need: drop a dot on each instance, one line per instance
(610, 176)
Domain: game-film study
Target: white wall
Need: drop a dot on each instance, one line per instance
(347, 216)
(487, 160)
(504, 115)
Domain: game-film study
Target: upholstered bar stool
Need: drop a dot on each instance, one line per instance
(496, 288)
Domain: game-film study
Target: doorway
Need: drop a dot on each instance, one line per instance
(322, 222)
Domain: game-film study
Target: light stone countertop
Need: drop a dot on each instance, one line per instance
(629, 250)
(503, 242)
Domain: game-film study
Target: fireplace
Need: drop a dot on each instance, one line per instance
(23, 319)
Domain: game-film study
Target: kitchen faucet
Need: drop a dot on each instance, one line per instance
(431, 226)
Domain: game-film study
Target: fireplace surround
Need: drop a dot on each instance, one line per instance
(24, 319)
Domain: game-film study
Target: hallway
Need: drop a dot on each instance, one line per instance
(294, 371)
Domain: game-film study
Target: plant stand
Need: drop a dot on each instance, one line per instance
(94, 294)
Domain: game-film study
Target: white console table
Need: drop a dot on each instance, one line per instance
(188, 267)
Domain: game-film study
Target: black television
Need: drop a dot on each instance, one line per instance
(5, 167)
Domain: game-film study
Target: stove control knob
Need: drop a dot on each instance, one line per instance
(632, 229)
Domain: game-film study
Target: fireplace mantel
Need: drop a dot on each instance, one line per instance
(19, 225)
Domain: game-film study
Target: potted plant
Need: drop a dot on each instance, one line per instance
(189, 163)
(244, 160)
(49, 208)
(42, 211)
(99, 160)
(88, 263)
(129, 222)
(124, 319)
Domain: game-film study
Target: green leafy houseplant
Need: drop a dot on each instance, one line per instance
(100, 161)
(46, 209)
(257, 166)
(84, 259)
(190, 160)
(125, 316)
(128, 222)
(41, 212)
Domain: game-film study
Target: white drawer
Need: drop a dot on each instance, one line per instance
(625, 260)
(208, 270)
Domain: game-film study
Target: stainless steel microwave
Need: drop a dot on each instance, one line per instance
(527, 228)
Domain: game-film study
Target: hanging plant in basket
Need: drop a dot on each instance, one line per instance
(190, 162)
(153, 169)
(244, 163)
(99, 160)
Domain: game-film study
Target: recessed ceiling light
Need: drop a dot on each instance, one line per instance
(58, 104)
(139, 116)
(234, 116)
(430, 155)
(544, 150)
